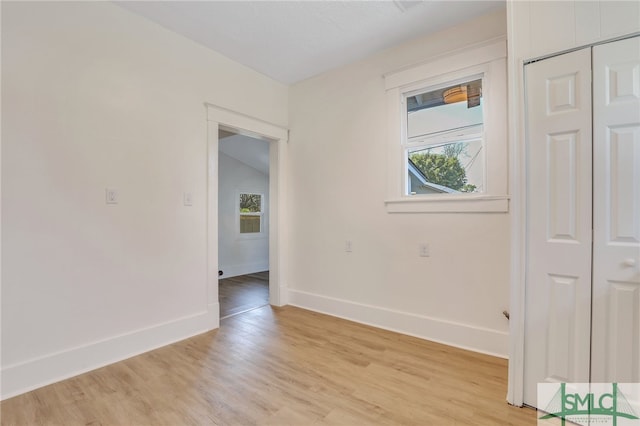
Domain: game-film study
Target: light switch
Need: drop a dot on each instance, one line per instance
(111, 196)
(187, 198)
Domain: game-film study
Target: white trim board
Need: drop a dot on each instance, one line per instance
(239, 121)
(35, 373)
(463, 336)
(469, 56)
(517, 191)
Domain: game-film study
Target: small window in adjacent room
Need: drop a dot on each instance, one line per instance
(445, 139)
(250, 213)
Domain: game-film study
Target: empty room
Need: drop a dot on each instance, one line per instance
(320, 212)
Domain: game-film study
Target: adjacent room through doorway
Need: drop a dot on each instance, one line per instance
(243, 293)
(243, 223)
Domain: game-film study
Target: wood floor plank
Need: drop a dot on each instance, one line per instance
(282, 366)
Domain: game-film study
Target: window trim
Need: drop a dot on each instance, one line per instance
(487, 59)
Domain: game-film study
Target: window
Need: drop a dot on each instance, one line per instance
(445, 139)
(447, 147)
(251, 212)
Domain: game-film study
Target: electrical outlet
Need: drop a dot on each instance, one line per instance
(423, 250)
(348, 246)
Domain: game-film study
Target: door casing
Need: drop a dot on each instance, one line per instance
(223, 118)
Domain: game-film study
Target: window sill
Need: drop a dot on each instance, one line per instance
(449, 204)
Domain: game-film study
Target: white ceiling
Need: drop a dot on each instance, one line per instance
(250, 151)
(290, 41)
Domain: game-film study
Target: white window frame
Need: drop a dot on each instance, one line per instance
(249, 235)
(487, 60)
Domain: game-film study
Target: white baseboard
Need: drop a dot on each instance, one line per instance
(213, 312)
(464, 336)
(284, 295)
(237, 270)
(35, 373)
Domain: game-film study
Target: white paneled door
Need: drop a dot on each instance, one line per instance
(582, 319)
(558, 286)
(615, 349)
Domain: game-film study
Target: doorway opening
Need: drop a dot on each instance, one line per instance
(272, 202)
(243, 222)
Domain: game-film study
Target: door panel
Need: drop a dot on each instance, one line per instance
(558, 277)
(616, 212)
(562, 156)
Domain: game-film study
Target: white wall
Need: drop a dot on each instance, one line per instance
(95, 97)
(240, 254)
(337, 153)
(543, 28)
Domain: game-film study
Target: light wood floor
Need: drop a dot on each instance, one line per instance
(242, 293)
(283, 366)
